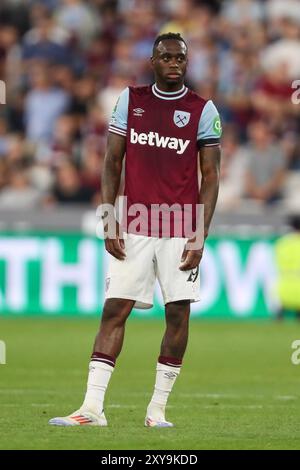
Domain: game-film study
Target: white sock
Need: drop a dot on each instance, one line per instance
(99, 376)
(165, 379)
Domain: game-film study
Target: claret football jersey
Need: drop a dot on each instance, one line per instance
(164, 132)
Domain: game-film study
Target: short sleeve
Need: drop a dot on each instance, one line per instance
(209, 127)
(118, 121)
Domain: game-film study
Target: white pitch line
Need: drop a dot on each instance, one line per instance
(114, 405)
(286, 397)
(192, 406)
(21, 391)
(186, 396)
(42, 404)
(248, 407)
(19, 405)
(210, 395)
(173, 407)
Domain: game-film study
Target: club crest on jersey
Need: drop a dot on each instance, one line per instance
(181, 118)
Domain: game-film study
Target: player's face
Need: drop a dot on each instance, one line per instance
(169, 62)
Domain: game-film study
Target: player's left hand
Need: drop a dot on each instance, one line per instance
(190, 259)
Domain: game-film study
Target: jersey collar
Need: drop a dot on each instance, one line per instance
(169, 95)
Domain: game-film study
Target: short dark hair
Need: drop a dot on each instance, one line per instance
(164, 36)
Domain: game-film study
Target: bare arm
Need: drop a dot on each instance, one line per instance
(112, 167)
(210, 170)
(111, 177)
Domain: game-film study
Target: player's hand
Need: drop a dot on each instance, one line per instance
(115, 245)
(190, 259)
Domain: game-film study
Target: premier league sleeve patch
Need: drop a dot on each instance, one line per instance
(210, 127)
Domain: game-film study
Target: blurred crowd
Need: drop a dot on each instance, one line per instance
(64, 63)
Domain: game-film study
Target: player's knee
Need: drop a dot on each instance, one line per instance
(177, 314)
(116, 310)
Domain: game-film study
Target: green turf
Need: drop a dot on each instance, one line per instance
(237, 390)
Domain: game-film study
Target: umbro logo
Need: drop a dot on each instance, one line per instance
(170, 375)
(138, 111)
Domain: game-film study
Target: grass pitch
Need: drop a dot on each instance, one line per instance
(238, 388)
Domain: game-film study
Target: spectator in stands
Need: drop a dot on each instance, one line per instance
(84, 92)
(238, 75)
(95, 128)
(68, 188)
(243, 12)
(46, 40)
(180, 18)
(82, 21)
(265, 164)
(91, 169)
(43, 105)
(12, 65)
(19, 194)
(277, 9)
(63, 145)
(18, 150)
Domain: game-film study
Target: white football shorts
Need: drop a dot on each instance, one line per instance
(148, 258)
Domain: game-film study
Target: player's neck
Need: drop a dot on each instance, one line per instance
(169, 88)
